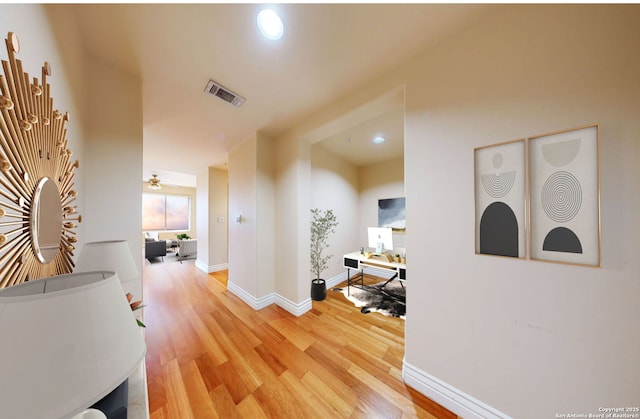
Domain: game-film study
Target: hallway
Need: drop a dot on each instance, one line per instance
(210, 355)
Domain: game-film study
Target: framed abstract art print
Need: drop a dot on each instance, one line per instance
(500, 190)
(564, 185)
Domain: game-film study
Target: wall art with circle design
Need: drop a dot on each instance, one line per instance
(564, 196)
(500, 199)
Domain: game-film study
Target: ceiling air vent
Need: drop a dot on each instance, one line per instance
(223, 93)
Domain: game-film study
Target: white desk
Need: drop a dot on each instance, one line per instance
(359, 262)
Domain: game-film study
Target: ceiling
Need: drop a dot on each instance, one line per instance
(328, 50)
(355, 144)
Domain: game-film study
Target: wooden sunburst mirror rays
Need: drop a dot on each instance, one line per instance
(37, 212)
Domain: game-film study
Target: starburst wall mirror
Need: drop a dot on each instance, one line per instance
(37, 212)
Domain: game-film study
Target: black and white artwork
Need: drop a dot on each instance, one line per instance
(391, 213)
(500, 199)
(565, 197)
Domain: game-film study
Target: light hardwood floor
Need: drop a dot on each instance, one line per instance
(210, 355)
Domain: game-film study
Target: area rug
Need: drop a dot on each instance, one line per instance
(389, 300)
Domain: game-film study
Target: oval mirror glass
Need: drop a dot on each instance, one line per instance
(46, 220)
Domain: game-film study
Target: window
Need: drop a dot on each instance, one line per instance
(165, 212)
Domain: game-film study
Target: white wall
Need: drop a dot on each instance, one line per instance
(334, 185)
(265, 214)
(530, 339)
(292, 234)
(212, 220)
(252, 243)
(486, 334)
(218, 219)
(203, 217)
(242, 202)
(113, 160)
(383, 180)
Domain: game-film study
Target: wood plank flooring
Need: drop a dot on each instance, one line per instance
(211, 356)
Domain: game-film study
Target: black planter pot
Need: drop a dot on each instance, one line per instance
(318, 289)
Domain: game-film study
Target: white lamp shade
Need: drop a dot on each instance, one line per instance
(114, 255)
(67, 341)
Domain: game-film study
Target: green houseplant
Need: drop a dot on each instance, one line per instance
(323, 223)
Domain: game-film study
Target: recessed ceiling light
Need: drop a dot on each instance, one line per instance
(378, 140)
(270, 24)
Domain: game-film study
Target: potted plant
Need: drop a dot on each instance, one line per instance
(183, 236)
(323, 223)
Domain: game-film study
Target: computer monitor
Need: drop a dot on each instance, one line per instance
(381, 239)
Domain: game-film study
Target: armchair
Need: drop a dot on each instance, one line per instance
(187, 249)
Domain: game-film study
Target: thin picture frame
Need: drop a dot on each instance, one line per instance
(500, 182)
(564, 197)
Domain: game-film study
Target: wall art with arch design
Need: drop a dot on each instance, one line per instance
(500, 199)
(539, 198)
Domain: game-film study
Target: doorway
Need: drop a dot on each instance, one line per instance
(357, 161)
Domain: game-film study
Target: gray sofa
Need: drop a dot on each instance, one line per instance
(155, 249)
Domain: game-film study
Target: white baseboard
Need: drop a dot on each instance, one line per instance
(211, 268)
(293, 308)
(448, 396)
(273, 298)
(253, 302)
(297, 309)
(336, 280)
